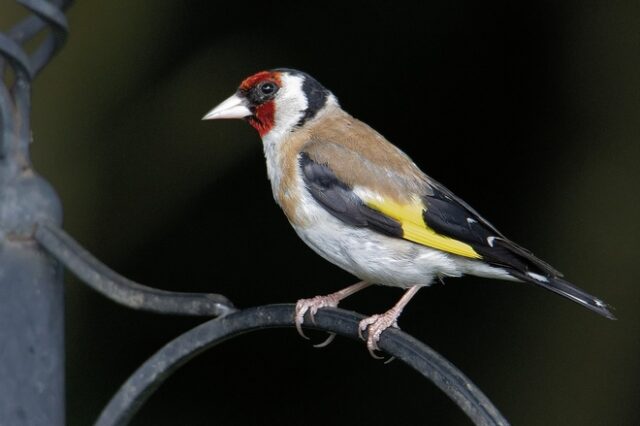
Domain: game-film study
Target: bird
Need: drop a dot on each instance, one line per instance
(361, 203)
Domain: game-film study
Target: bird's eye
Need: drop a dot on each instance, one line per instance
(262, 92)
(268, 88)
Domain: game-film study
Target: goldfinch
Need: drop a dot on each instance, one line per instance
(362, 204)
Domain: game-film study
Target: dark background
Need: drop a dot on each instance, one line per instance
(529, 111)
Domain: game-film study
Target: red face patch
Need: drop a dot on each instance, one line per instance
(250, 82)
(263, 118)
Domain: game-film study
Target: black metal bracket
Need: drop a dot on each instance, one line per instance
(139, 387)
(122, 290)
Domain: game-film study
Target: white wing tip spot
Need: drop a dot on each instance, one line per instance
(538, 277)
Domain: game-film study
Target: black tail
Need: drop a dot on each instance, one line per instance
(566, 289)
(522, 264)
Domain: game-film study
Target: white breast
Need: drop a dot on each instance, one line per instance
(371, 256)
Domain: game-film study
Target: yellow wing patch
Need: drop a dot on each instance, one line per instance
(415, 229)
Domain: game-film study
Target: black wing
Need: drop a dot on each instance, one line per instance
(449, 215)
(340, 200)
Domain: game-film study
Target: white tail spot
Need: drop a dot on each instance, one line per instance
(538, 277)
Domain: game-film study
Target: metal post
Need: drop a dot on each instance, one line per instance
(31, 332)
(31, 290)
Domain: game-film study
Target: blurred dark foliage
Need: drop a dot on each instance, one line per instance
(527, 110)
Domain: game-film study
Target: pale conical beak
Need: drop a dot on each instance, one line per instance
(233, 107)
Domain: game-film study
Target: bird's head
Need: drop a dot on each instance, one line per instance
(278, 100)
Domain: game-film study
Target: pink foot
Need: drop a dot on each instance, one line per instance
(312, 305)
(375, 325)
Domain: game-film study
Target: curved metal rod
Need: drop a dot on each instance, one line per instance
(16, 57)
(7, 126)
(122, 290)
(46, 14)
(139, 387)
(15, 106)
(32, 25)
(53, 17)
(14, 53)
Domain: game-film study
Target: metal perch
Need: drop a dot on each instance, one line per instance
(139, 387)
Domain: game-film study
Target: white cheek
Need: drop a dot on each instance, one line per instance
(291, 104)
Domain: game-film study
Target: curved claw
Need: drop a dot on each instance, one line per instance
(360, 335)
(326, 342)
(301, 309)
(372, 351)
(312, 305)
(389, 360)
(329, 301)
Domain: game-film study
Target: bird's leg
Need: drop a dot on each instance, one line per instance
(376, 324)
(329, 301)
